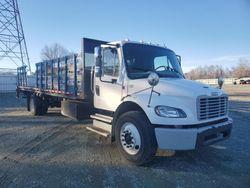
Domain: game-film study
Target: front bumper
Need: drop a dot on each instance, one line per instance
(191, 138)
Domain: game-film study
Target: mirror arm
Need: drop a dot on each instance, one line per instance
(151, 93)
(179, 59)
(113, 80)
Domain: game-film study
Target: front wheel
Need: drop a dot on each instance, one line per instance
(135, 137)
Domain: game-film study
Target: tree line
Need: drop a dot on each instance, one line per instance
(242, 69)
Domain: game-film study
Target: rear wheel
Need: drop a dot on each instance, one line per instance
(37, 106)
(33, 107)
(45, 109)
(135, 138)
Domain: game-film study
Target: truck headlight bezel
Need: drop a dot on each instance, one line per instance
(169, 112)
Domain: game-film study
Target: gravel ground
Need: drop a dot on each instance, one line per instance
(55, 151)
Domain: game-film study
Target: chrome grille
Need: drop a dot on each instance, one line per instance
(212, 107)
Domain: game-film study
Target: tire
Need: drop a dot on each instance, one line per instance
(44, 109)
(28, 103)
(135, 138)
(44, 106)
(35, 106)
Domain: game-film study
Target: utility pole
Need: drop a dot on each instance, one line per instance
(12, 41)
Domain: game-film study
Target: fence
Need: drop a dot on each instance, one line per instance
(215, 81)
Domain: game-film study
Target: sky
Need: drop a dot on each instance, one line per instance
(203, 32)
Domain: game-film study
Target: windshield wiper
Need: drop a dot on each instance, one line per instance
(174, 70)
(142, 69)
(165, 67)
(171, 69)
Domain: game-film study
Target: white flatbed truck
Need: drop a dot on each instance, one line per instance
(136, 94)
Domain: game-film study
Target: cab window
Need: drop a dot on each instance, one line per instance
(110, 62)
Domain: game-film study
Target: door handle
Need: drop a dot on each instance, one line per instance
(97, 90)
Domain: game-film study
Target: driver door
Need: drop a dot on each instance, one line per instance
(108, 91)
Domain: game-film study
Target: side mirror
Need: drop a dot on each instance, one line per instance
(179, 59)
(98, 62)
(153, 79)
(220, 82)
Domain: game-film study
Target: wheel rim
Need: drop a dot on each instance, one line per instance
(130, 138)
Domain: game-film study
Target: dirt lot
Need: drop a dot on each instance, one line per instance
(55, 151)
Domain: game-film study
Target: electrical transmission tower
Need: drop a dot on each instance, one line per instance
(12, 41)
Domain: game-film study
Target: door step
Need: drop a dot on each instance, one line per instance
(103, 118)
(98, 131)
(101, 124)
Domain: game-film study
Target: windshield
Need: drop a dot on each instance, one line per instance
(140, 59)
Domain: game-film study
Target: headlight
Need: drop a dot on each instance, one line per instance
(169, 112)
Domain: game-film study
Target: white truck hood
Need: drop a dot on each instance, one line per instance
(182, 87)
(175, 87)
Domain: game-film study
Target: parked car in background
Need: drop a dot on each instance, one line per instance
(247, 82)
(242, 82)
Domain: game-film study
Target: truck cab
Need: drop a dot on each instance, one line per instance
(145, 102)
